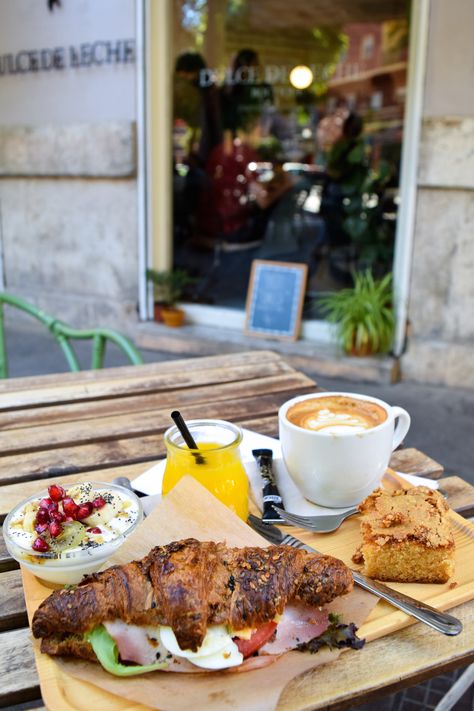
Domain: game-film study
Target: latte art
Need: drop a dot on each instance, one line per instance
(336, 414)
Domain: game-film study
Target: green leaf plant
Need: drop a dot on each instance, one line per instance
(169, 284)
(363, 314)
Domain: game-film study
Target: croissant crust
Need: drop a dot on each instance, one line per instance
(189, 585)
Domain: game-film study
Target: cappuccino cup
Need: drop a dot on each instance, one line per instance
(336, 446)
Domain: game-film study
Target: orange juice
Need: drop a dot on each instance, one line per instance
(222, 471)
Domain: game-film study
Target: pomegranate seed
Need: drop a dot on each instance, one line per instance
(68, 519)
(70, 507)
(96, 529)
(42, 516)
(55, 529)
(99, 502)
(45, 503)
(56, 492)
(57, 516)
(84, 510)
(41, 527)
(40, 545)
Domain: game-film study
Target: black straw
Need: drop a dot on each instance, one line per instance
(187, 436)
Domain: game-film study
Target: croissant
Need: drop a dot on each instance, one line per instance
(189, 585)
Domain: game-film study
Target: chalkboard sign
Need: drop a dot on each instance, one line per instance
(275, 299)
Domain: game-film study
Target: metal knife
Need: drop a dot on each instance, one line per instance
(440, 621)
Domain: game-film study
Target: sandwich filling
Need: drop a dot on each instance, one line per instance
(192, 606)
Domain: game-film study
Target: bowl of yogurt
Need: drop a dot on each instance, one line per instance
(62, 534)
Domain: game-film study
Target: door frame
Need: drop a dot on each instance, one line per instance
(154, 179)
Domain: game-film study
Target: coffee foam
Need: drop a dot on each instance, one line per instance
(336, 414)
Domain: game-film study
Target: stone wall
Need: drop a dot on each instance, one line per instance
(441, 309)
(68, 220)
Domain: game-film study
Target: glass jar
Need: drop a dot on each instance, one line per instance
(221, 472)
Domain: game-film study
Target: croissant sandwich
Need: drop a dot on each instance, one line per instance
(194, 606)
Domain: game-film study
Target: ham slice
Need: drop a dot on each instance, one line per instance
(136, 644)
(298, 624)
(141, 644)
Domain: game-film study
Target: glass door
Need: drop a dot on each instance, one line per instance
(287, 131)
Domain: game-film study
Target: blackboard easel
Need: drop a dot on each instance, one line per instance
(275, 299)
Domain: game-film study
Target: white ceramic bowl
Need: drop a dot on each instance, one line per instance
(69, 566)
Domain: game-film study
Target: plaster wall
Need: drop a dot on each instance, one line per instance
(441, 309)
(449, 88)
(68, 197)
(85, 87)
(68, 220)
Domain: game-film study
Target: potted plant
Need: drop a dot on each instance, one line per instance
(363, 314)
(168, 288)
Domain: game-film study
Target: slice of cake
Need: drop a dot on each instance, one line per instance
(406, 536)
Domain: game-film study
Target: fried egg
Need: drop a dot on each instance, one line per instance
(217, 651)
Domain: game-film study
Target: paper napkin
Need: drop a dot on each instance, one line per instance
(150, 482)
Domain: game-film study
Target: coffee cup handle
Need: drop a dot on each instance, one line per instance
(402, 427)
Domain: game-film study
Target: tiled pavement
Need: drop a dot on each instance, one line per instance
(423, 697)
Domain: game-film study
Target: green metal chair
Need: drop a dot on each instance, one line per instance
(63, 334)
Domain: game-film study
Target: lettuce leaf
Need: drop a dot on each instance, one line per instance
(337, 636)
(106, 651)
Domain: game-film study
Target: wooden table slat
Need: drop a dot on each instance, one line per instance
(65, 451)
(411, 461)
(6, 562)
(139, 407)
(121, 387)
(77, 411)
(12, 602)
(133, 424)
(229, 360)
(18, 676)
(459, 493)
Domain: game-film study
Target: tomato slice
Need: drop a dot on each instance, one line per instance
(262, 634)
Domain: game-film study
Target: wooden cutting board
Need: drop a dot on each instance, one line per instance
(385, 619)
(63, 692)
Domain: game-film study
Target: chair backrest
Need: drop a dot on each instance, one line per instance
(63, 335)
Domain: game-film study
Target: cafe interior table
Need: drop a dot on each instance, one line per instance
(98, 425)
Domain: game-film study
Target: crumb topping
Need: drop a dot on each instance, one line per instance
(417, 514)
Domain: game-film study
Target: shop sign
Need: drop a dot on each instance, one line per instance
(87, 54)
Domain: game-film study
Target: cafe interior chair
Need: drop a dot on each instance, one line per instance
(63, 335)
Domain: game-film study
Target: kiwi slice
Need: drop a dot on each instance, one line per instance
(71, 537)
(29, 520)
(100, 517)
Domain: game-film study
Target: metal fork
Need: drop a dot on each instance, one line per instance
(319, 524)
(440, 621)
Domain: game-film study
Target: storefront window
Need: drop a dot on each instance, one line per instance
(287, 133)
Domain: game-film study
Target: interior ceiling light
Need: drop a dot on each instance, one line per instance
(301, 77)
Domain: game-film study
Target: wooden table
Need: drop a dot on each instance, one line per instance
(102, 424)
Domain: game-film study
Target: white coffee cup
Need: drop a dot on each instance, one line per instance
(342, 465)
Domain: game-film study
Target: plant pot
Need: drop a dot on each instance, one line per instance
(362, 351)
(172, 317)
(157, 312)
(366, 349)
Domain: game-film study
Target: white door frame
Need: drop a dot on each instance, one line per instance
(405, 233)
(154, 68)
(154, 155)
